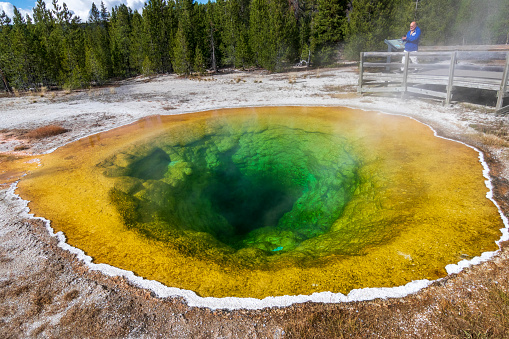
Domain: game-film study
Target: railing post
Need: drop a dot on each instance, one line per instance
(451, 79)
(503, 84)
(361, 70)
(388, 67)
(405, 74)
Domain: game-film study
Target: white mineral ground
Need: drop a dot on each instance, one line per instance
(47, 291)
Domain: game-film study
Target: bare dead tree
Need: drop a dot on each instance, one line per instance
(212, 44)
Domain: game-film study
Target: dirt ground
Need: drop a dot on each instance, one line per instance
(45, 291)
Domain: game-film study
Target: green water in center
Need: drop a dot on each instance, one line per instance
(268, 189)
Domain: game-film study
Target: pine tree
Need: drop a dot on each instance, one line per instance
(105, 39)
(94, 15)
(21, 64)
(201, 33)
(43, 26)
(5, 51)
(55, 47)
(233, 31)
(105, 15)
(171, 27)
(199, 61)
(327, 30)
(273, 33)
(141, 59)
(181, 53)
(73, 67)
(184, 44)
(97, 47)
(304, 11)
(213, 23)
(120, 40)
(156, 20)
(259, 37)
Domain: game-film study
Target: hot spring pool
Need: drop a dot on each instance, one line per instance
(261, 202)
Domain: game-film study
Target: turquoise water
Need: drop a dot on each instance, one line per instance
(269, 189)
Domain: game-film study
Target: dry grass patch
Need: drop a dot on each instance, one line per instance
(69, 296)
(45, 131)
(334, 324)
(499, 129)
(39, 300)
(495, 135)
(492, 140)
(43, 91)
(351, 95)
(238, 80)
(488, 319)
(483, 313)
(21, 148)
(38, 331)
(4, 258)
(92, 319)
(477, 108)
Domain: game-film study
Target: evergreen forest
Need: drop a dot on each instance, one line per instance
(55, 48)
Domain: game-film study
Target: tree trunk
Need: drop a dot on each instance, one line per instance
(214, 64)
(212, 43)
(6, 84)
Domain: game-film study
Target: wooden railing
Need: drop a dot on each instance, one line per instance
(470, 48)
(435, 74)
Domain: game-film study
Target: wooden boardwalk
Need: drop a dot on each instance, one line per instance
(436, 73)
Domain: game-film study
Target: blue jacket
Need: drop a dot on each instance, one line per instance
(412, 40)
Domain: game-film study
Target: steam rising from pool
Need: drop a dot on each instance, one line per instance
(270, 201)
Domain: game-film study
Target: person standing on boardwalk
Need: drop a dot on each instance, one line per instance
(412, 41)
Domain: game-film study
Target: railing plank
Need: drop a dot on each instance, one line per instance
(503, 84)
(427, 92)
(382, 89)
(503, 110)
(412, 66)
(381, 64)
(466, 48)
(400, 54)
